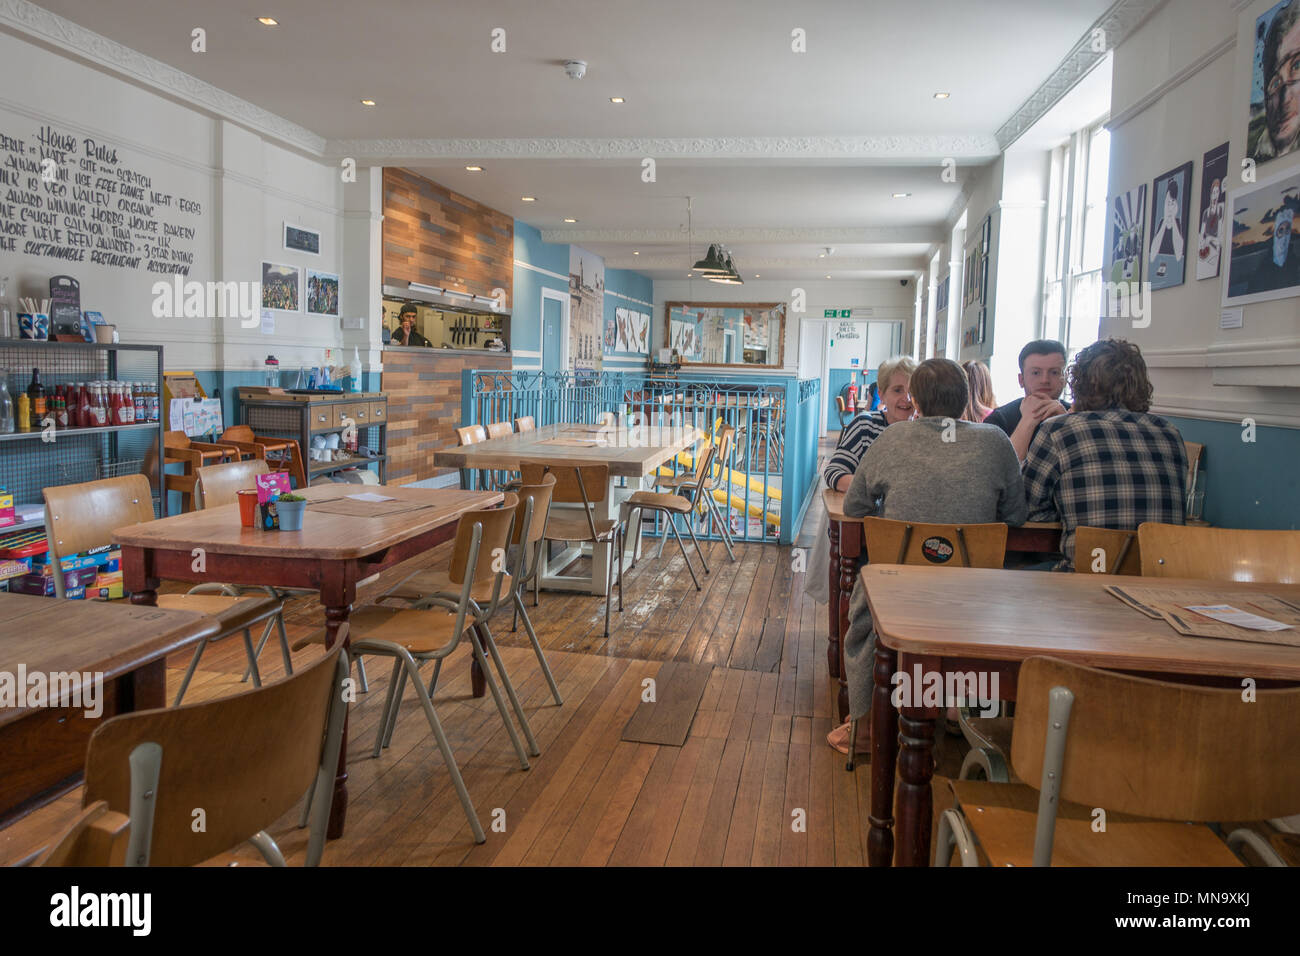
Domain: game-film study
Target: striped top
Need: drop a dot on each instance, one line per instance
(854, 440)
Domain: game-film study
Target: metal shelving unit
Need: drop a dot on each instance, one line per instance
(29, 464)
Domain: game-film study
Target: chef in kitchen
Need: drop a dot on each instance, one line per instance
(406, 334)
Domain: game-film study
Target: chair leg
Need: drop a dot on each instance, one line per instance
(698, 550)
(266, 636)
(268, 848)
(361, 676)
(412, 670)
(521, 611)
(189, 673)
(853, 745)
(491, 644)
(390, 723)
(622, 543)
(716, 517)
(685, 557)
(252, 655)
(398, 675)
(609, 581)
(284, 647)
(663, 535)
(486, 670)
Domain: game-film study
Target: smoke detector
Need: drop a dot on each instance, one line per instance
(575, 69)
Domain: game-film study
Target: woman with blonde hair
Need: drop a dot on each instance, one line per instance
(980, 381)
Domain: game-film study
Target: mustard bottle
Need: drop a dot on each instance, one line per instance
(23, 416)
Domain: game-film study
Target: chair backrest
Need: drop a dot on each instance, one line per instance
(83, 516)
(525, 424)
(582, 484)
(218, 484)
(704, 467)
(496, 524)
(471, 434)
(1162, 750)
(499, 429)
(536, 526)
(839, 404)
(1219, 554)
(240, 433)
(1106, 551)
(176, 440)
(245, 760)
(949, 545)
(726, 434)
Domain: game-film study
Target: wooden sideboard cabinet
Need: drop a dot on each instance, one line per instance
(301, 417)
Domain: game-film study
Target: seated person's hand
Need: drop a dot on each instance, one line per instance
(842, 483)
(1036, 409)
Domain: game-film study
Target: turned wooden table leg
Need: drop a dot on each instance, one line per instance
(833, 603)
(884, 751)
(335, 617)
(915, 800)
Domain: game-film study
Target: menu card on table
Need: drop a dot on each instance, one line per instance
(1203, 612)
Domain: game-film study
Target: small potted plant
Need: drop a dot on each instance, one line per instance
(290, 508)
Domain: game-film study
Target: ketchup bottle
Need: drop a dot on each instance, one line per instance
(85, 417)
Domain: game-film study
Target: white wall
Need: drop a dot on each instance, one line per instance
(1181, 87)
(248, 187)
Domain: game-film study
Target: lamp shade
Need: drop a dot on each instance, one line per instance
(713, 263)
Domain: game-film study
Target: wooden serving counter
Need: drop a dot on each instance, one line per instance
(280, 414)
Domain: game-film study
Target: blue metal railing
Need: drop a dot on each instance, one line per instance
(762, 490)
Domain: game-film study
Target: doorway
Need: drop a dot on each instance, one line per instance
(555, 330)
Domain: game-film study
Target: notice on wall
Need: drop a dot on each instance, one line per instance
(71, 197)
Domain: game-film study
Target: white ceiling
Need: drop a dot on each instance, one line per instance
(765, 140)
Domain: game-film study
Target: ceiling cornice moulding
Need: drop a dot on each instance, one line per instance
(63, 36)
(894, 150)
(1123, 17)
(750, 264)
(747, 234)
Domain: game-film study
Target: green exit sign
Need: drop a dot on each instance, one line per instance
(828, 313)
(837, 313)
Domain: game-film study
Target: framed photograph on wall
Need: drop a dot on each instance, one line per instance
(1170, 202)
(322, 293)
(280, 286)
(1273, 128)
(1209, 235)
(1127, 230)
(1264, 255)
(301, 239)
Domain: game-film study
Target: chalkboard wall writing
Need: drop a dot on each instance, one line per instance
(69, 197)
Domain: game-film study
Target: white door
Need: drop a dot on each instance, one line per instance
(812, 359)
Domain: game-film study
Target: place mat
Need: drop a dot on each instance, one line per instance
(678, 689)
(572, 442)
(1171, 606)
(364, 509)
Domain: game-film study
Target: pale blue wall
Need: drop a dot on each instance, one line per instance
(640, 289)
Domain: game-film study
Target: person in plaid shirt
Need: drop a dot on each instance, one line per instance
(1109, 463)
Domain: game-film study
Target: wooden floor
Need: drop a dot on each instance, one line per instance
(754, 784)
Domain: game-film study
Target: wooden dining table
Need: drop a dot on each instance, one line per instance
(331, 554)
(848, 547)
(114, 659)
(976, 620)
(632, 453)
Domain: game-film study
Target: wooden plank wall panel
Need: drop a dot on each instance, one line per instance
(440, 238)
(424, 407)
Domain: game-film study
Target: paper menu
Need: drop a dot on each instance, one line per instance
(1183, 609)
(371, 496)
(1227, 614)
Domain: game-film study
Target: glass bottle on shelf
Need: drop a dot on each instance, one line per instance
(6, 405)
(36, 395)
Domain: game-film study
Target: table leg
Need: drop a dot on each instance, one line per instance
(884, 751)
(915, 800)
(833, 604)
(335, 616)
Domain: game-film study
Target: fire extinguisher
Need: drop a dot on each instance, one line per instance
(851, 403)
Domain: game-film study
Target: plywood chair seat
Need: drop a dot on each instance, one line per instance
(424, 583)
(234, 613)
(659, 501)
(1003, 818)
(565, 527)
(420, 632)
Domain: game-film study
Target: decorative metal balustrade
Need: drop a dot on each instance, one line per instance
(764, 487)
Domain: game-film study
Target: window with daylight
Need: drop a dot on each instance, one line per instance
(1072, 295)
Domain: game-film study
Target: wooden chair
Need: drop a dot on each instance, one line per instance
(433, 630)
(178, 449)
(586, 485)
(499, 429)
(83, 516)
(934, 545)
(698, 487)
(1219, 554)
(843, 410)
(219, 485)
(525, 424)
(1116, 551)
(471, 435)
(244, 760)
(526, 544)
(1153, 754)
(281, 454)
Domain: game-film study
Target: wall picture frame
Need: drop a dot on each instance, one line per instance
(301, 239)
(1264, 248)
(281, 287)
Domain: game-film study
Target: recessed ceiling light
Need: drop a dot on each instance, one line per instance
(828, 277)
(473, 169)
(528, 199)
(367, 102)
(635, 252)
(942, 96)
(616, 99)
(821, 255)
(901, 195)
(268, 21)
(755, 275)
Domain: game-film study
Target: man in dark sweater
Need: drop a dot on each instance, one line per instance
(1042, 376)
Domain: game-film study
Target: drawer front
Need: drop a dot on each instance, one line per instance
(359, 413)
(324, 416)
(378, 412)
